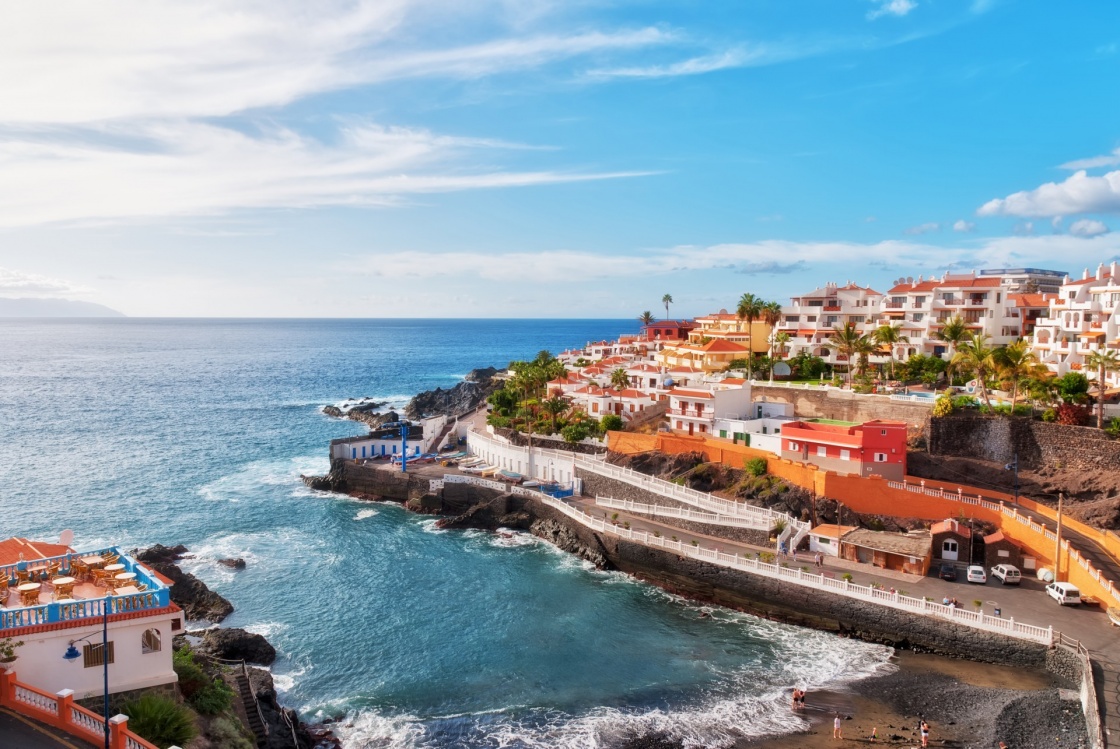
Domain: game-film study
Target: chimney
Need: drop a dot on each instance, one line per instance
(1085, 275)
(1100, 271)
(1112, 269)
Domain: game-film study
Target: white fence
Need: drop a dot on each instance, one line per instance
(683, 513)
(797, 576)
(546, 464)
(764, 517)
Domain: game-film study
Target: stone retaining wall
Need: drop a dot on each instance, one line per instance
(828, 403)
(1038, 443)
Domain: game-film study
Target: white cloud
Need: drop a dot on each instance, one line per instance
(693, 66)
(1087, 228)
(963, 226)
(926, 228)
(1079, 193)
(1093, 162)
(187, 168)
(896, 8)
(1056, 223)
(18, 282)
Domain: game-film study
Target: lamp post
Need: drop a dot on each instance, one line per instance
(72, 655)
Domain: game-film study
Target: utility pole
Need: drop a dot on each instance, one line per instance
(1058, 540)
(404, 446)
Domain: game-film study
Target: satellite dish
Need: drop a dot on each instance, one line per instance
(66, 537)
(909, 279)
(781, 369)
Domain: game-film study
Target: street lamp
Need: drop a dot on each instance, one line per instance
(72, 655)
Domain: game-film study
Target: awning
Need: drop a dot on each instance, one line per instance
(1093, 334)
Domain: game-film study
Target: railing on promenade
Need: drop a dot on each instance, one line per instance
(60, 711)
(683, 513)
(524, 491)
(82, 608)
(797, 576)
(691, 496)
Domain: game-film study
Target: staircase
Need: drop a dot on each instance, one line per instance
(252, 709)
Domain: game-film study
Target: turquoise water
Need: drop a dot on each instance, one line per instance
(195, 432)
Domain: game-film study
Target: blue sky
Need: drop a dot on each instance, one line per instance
(545, 159)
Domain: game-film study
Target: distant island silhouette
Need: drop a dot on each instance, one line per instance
(31, 307)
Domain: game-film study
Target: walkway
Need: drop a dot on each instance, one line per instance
(19, 732)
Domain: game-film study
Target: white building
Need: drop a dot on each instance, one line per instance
(1083, 318)
(695, 410)
(69, 607)
(761, 428)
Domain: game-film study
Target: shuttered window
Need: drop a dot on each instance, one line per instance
(93, 655)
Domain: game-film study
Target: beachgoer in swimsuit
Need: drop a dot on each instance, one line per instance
(837, 732)
(925, 733)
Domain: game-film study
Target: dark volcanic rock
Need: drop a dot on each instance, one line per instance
(280, 721)
(187, 591)
(237, 645)
(237, 564)
(461, 399)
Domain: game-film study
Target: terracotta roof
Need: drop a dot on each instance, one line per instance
(995, 538)
(15, 548)
(951, 526)
(832, 530)
(959, 283)
(691, 393)
(1031, 300)
(1091, 279)
(733, 381)
(892, 543)
(720, 346)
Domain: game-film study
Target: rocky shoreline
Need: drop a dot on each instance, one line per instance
(199, 603)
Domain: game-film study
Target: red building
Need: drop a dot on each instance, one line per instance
(872, 448)
(667, 331)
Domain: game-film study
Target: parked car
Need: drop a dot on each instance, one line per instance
(1008, 574)
(947, 572)
(976, 574)
(1066, 594)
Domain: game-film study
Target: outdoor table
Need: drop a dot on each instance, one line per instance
(125, 577)
(63, 587)
(93, 562)
(29, 593)
(114, 568)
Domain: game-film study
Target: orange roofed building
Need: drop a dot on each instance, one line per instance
(874, 448)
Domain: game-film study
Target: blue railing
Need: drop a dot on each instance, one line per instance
(156, 596)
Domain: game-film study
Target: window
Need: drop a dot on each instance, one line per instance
(811, 318)
(845, 455)
(880, 457)
(822, 451)
(93, 655)
(918, 316)
(176, 625)
(949, 546)
(883, 432)
(151, 641)
(824, 541)
(1003, 553)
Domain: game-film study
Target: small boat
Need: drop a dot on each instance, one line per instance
(1114, 616)
(510, 476)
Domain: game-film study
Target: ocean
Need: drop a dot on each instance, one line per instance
(135, 432)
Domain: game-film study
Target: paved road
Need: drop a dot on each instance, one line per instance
(18, 732)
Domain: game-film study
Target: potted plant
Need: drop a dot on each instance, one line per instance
(8, 653)
(777, 529)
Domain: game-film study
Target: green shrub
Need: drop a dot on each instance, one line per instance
(846, 577)
(214, 698)
(965, 401)
(160, 720)
(192, 679)
(611, 423)
(756, 467)
(228, 734)
(1113, 427)
(1050, 415)
(574, 433)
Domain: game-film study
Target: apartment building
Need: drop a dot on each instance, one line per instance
(811, 319)
(1083, 318)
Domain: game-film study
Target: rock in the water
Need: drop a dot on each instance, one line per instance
(237, 645)
(237, 564)
(465, 397)
(191, 594)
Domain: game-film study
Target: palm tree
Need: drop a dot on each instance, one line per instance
(646, 318)
(780, 341)
(976, 356)
(890, 335)
(1103, 361)
(667, 300)
(554, 406)
(953, 332)
(849, 342)
(1016, 362)
(620, 379)
(749, 309)
(771, 314)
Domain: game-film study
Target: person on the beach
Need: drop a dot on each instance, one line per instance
(801, 699)
(837, 731)
(796, 697)
(925, 733)
(874, 733)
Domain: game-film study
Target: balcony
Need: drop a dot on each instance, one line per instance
(832, 308)
(894, 305)
(691, 414)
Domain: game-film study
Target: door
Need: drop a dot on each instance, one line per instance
(691, 426)
(949, 551)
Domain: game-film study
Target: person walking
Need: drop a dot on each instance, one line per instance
(837, 731)
(924, 727)
(819, 560)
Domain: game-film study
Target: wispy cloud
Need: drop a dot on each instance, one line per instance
(963, 226)
(1079, 193)
(1094, 162)
(189, 168)
(927, 228)
(896, 8)
(1087, 227)
(30, 284)
(736, 58)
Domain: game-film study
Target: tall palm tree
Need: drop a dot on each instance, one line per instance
(849, 342)
(620, 379)
(1016, 362)
(976, 356)
(890, 335)
(771, 314)
(1102, 360)
(749, 309)
(780, 341)
(555, 406)
(953, 332)
(667, 300)
(646, 318)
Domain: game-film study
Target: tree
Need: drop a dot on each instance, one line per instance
(574, 433)
(554, 406)
(646, 318)
(953, 332)
(667, 300)
(890, 335)
(1073, 387)
(749, 309)
(611, 423)
(771, 314)
(780, 341)
(849, 342)
(1016, 362)
(620, 379)
(1103, 361)
(976, 356)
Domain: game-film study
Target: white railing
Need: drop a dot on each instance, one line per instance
(37, 700)
(690, 496)
(797, 576)
(903, 398)
(681, 512)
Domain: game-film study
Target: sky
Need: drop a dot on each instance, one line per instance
(545, 158)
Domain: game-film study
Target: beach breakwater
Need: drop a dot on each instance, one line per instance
(469, 506)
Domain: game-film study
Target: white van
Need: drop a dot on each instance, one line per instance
(1008, 574)
(1065, 594)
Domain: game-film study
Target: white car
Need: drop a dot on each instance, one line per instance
(1066, 594)
(1008, 574)
(976, 574)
